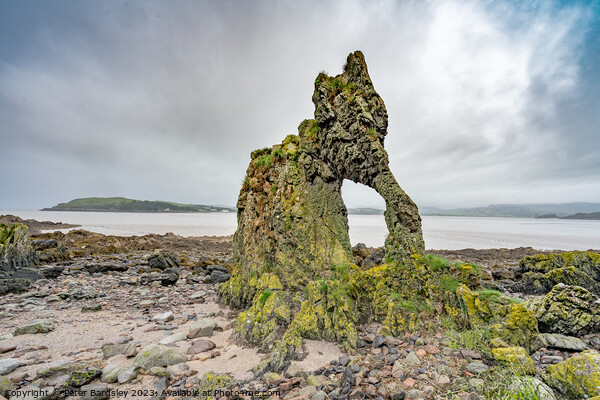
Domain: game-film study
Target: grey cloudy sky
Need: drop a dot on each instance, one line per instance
(488, 101)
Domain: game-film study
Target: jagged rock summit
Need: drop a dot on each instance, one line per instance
(292, 229)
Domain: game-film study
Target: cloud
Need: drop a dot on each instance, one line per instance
(165, 100)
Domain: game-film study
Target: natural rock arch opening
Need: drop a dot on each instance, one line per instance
(366, 222)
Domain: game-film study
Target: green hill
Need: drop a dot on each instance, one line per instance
(516, 210)
(122, 204)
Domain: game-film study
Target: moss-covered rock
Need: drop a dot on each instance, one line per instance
(515, 358)
(569, 310)
(517, 326)
(210, 383)
(577, 377)
(540, 273)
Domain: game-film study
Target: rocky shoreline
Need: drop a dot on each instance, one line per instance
(139, 317)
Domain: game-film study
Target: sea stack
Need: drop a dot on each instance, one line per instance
(292, 227)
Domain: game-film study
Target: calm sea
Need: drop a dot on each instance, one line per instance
(439, 232)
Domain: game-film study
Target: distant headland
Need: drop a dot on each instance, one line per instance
(122, 204)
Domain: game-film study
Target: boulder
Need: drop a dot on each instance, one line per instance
(156, 355)
(515, 358)
(163, 260)
(568, 310)
(577, 377)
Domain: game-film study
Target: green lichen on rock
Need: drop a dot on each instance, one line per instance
(293, 272)
(6, 385)
(155, 355)
(210, 384)
(515, 358)
(15, 248)
(569, 310)
(478, 311)
(577, 377)
(518, 327)
(540, 273)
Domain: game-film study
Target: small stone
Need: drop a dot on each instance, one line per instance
(320, 395)
(551, 359)
(36, 326)
(94, 308)
(431, 349)
(176, 337)
(413, 358)
(410, 382)
(476, 383)
(202, 328)
(443, 380)
(8, 365)
(6, 385)
(271, 378)
(164, 317)
(95, 391)
(476, 367)
(5, 348)
(146, 303)
(127, 374)
(344, 360)
(378, 341)
(201, 346)
(110, 373)
(198, 295)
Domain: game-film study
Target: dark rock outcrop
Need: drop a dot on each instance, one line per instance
(540, 273)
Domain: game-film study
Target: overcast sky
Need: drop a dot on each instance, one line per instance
(488, 101)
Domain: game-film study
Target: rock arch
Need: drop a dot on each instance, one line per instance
(292, 222)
